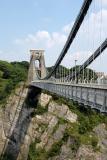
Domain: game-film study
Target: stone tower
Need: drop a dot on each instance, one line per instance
(36, 55)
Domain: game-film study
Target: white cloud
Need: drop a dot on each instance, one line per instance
(97, 26)
(52, 43)
(80, 56)
(101, 2)
(43, 38)
(43, 35)
(87, 40)
(67, 28)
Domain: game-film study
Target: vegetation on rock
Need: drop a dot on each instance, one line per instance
(79, 133)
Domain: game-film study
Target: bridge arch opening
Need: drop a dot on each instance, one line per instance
(38, 67)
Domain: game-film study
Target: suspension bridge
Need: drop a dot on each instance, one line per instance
(79, 83)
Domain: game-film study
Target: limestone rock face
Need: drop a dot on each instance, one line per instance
(19, 129)
(71, 116)
(62, 111)
(85, 152)
(57, 136)
(46, 127)
(101, 132)
(44, 99)
(14, 122)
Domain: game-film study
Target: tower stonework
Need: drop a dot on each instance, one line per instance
(36, 55)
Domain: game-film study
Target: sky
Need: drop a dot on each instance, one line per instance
(45, 24)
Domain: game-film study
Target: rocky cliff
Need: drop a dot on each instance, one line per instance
(38, 126)
(56, 137)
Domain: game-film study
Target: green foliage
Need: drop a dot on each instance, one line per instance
(87, 117)
(62, 120)
(41, 154)
(5, 88)
(85, 125)
(79, 133)
(72, 132)
(55, 128)
(94, 142)
(55, 149)
(5, 67)
(36, 154)
(1, 74)
(40, 110)
(76, 143)
(87, 120)
(59, 73)
(88, 71)
(23, 64)
(7, 157)
(65, 136)
(10, 75)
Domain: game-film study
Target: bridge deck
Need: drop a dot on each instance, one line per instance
(92, 95)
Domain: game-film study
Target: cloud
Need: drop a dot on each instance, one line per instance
(89, 37)
(95, 26)
(67, 28)
(43, 38)
(52, 43)
(101, 2)
(80, 56)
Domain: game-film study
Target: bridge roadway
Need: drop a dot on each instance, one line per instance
(93, 95)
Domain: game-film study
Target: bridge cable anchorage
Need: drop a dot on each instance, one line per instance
(98, 52)
(72, 35)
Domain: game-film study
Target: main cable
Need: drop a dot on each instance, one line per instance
(72, 35)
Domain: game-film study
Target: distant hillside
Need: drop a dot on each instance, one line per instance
(59, 71)
(10, 75)
(62, 70)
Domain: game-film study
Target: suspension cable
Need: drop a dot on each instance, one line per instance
(97, 53)
(100, 28)
(72, 35)
(88, 43)
(93, 76)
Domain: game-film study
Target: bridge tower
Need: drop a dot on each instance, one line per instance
(36, 55)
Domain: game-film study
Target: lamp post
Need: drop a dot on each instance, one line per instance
(75, 70)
